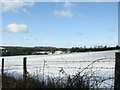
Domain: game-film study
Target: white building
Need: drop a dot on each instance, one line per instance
(3, 50)
(42, 52)
(58, 52)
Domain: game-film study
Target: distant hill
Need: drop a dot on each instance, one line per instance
(19, 50)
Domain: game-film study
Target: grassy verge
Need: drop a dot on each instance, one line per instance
(84, 80)
(34, 82)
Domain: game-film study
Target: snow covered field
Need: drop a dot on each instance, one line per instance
(101, 63)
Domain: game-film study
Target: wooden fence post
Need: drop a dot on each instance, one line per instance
(24, 67)
(117, 71)
(2, 70)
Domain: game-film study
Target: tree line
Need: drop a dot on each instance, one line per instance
(15, 50)
(95, 48)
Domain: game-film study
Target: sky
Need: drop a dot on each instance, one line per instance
(59, 24)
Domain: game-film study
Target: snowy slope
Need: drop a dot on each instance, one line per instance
(71, 63)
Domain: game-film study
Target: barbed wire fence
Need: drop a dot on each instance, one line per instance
(93, 69)
(101, 69)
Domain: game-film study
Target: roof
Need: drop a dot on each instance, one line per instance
(2, 48)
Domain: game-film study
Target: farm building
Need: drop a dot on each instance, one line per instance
(58, 52)
(41, 52)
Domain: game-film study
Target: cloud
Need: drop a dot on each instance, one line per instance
(111, 38)
(63, 0)
(16, 28)
(15, 6)
(51, 32)
(111, 29)
(66, 12)
(78, 33)
(68, 4)
(63, 13)
(25, 10)
(106, 0)
(25, 38)
(81, 0)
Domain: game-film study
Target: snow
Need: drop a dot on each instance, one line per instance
(101, 63)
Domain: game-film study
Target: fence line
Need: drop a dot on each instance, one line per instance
(47, 62)
(117, 71)
(77, 61)
(2, 70)
(81, 61)
(24, 67)
(82, 68)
